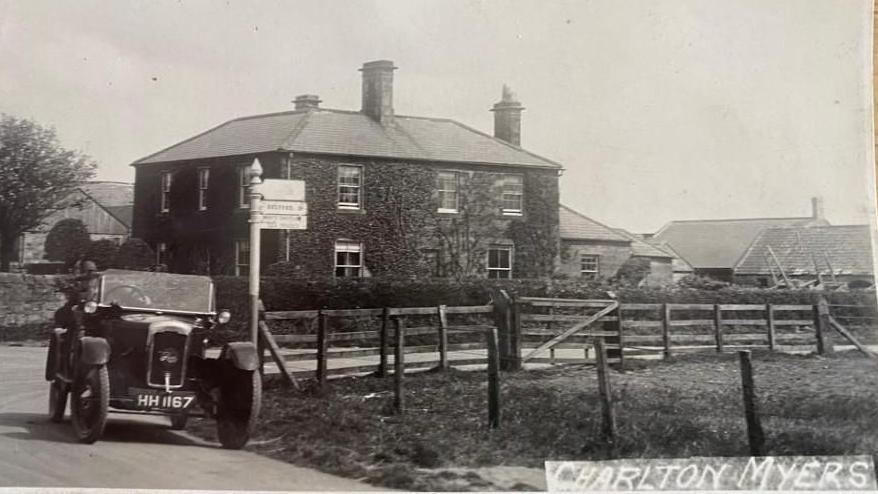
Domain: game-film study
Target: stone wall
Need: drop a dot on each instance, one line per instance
(27, 300)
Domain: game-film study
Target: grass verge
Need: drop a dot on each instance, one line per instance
(685, 406)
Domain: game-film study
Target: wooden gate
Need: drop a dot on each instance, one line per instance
(550, 324)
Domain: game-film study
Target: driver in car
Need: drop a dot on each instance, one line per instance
(81, 287)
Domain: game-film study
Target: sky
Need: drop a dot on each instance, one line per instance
(658, 110)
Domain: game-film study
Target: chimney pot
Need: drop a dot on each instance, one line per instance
(817, 208)
(307, 101)
(378, 90)
(507, 117)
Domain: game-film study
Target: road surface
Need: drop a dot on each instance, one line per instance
(136, 451)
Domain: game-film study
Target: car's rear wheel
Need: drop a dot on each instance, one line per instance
(58, 391)
(90, 402)
(238, 408)
(179, 420)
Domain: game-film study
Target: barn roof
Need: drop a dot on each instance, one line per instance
(846, 248)
(706, 244)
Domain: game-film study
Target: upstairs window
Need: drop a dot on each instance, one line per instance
(589, 266)
(500, 262)
(244, 186)
(242, 257)
(165, 192)
(447, 185)
(203, 180)
(350, 184)
(348, 259)
(513, 194)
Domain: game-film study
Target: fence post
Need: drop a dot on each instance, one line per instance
(666, 329)
(769, 314)
(443, 338)
(755, 436)
(718, 327)
(382, 343)
(493, 379)
(321, 349)
(503, 322)
(621, 339)
(399, 365)
(515, 339)
(821, 326)
(606, 394)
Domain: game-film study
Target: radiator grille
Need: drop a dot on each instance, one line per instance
(168, 355)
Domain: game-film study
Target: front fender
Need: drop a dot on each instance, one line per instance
(94, 351)
(53, 359)
(242, 354)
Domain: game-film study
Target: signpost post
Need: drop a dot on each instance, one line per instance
(275, 204)
(255, 217)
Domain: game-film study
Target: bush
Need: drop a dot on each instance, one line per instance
(103, 252)
(134, 254)
(296, 294)
(67, 241)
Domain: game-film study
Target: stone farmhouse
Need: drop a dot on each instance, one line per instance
(386, 193)
(592, 250)
(105, 208)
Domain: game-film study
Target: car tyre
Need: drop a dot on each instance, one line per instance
(58, 392)
(238, 408)
(178, 421)
(90, 402)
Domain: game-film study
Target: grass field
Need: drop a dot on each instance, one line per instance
(687, 406)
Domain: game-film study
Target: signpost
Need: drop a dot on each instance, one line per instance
(275, 204)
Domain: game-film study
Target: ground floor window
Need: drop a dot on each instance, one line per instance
(161, 254)
(242, 257)
(589, 266)
(431, 261)
(500, 262)
(348, 259)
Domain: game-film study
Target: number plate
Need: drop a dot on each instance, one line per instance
(153, 398)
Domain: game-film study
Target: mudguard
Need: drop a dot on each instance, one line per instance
(94, 351)
(242, 354)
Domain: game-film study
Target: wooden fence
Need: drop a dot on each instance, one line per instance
(543, 330)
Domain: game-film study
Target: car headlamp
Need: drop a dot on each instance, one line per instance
(90, 307)
(224, 317)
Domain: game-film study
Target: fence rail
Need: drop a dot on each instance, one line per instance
(539, 329)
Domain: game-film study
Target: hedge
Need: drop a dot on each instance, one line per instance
(290, 294)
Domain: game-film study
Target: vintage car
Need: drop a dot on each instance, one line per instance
(140, 346)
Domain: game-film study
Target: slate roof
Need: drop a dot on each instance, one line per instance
(848, 247)
(574, 225)
(326, 131)
(641, 248)
(122, 213)
(110, 193)
(706, 244)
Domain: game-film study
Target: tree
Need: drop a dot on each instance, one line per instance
(67, 241)
(103, 252)
(36, 176)
(134, 254)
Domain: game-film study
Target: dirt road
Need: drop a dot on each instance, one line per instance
(136, 451)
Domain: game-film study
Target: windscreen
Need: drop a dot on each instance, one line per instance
(157, 291)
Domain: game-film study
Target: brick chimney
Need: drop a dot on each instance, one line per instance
(307, 101)
(378, 90)
(817, 208)
(507, 117)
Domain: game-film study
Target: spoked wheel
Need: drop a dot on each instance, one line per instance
(238, 408)
(178, 421)
(89, 403)
(58, 391)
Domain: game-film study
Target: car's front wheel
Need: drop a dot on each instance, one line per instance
(58, 391)
(238, 408)
(90, 402)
